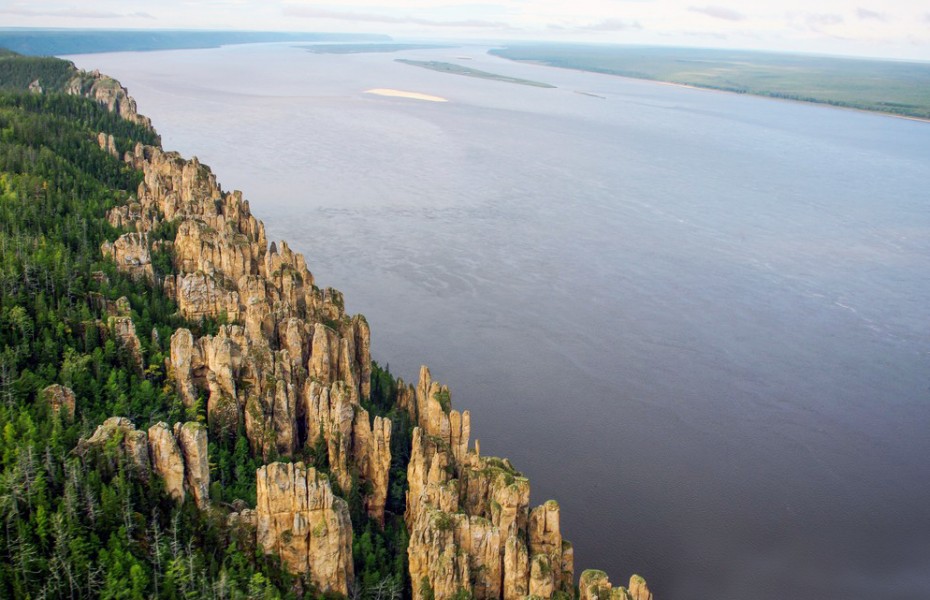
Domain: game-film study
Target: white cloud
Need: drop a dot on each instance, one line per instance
(864, 13)
(718, 12)
(309, 12)
(71, 13)
(611, 25)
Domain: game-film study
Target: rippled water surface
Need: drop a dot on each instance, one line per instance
(700, 321)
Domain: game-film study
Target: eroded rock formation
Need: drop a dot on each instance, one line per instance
(290, 365)
(124, 331)
(132, 254)
(298, 517)
(120, 435)
(469, 518)
(594, 585)
(179, 457)
(167, 459)
(192, 441)
(108, 92)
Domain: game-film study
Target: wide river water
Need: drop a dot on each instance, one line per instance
(700, 321)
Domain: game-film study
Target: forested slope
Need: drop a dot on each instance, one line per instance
(76, 525)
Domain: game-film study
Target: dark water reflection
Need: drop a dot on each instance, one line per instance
(698, 320)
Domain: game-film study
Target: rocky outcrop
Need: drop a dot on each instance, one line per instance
(516, 568)
(594, 585)
(124, 330)
(492, 544)
(108, 92)
(60, 400)
(118, 438)
(192, 441)
(167, 460)
(638, 589)
(132, 255)
(430, 406)
(298, 517)
(292, 363)
(354, 442)
(371, 449)
(290, 366)
(178, 456)
(546, 547)
(180, 365)
(107, 143)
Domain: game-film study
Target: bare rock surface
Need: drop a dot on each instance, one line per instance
(300, 519)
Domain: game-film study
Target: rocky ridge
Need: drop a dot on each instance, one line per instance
(469, 517)
(104, 90)
(290, 366)
(299, 518)
(178, 455)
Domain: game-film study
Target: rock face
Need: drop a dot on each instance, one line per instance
(107, 144)
(108, 92)
(60, 400)
(120, 434)
(124, 331)
(594, 585)
(132, 255)
(179, 457)
(290, 365)
(638, 589)
(298, 518)
(468, 515)
(192, 441)
(167, 459)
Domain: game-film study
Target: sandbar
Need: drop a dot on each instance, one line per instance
(403, 94)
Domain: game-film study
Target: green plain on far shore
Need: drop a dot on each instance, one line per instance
(348, 48)
(445, 67)
(889, 86)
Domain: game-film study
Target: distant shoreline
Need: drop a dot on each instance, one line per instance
(697, 86)
(767, 97)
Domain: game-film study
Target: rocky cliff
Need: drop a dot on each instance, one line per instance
(298, 517)
(178, 456)
(471, 527)
(594, 585)
(290, 365)
(287, 365)
(106, 91)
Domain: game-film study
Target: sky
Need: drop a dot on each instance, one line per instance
(881, 28)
